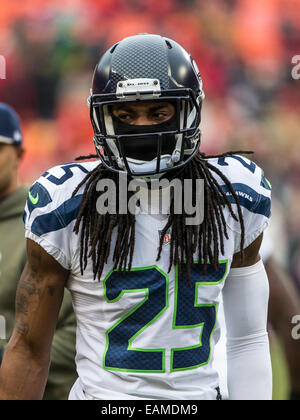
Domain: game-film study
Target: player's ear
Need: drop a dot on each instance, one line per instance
(20, 152)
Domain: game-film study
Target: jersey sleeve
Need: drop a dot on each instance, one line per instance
(51, 211)
(254, 193)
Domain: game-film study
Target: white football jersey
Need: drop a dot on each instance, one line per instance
(143, 334)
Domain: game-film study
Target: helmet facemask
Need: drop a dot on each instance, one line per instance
(146, 150)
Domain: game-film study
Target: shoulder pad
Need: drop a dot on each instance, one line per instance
(50, 205)
(253, 190)
(248, 181)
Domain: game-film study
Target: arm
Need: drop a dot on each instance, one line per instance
(62, 374)
(284, 304)
(245, 297)
(25, 364)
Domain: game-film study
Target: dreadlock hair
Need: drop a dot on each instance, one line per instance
(208, 238)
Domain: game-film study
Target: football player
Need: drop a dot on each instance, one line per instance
(146, 307)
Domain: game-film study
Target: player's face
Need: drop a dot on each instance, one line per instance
(144, 113)
(9, 162)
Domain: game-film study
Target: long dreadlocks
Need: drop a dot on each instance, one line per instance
(208, 237)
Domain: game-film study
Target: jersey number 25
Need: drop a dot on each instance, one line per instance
(120, 353)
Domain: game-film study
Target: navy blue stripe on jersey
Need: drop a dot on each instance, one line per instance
(68, 173)
(38, 197)
(251, 165)
(265, 183)
(250, 199)
(57, 219)
(24, 216)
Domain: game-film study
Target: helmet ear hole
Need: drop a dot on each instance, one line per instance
(169, 45)
(113, 48)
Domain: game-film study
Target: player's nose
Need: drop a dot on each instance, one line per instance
(143, 120)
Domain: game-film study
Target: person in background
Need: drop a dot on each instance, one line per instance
(13, 258)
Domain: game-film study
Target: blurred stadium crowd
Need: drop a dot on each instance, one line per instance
(243, 48)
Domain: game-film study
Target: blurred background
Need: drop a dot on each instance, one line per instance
(244, 51)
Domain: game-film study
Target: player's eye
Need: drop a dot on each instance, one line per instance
(160, 116)
(125, 117)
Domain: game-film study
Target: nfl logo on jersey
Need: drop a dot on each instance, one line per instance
(167, 237)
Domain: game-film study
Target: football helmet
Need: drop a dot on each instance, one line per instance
(146, 67)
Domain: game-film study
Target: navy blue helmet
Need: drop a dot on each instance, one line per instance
(146, 67)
